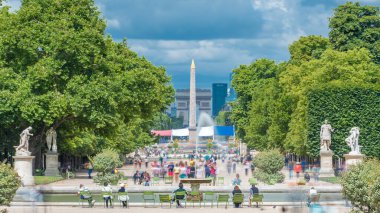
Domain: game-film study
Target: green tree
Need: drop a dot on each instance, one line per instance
(258, 114)
(209, 144)
(245, 79)
(58, 69)
(175, 144)
(223, 118)
(307, 48)
(355, 26)
(353, 67)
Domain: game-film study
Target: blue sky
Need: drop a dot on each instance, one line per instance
(219, 34)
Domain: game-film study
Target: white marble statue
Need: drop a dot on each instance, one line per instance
(353, 140)
(51, 139)
(23, 148)
(325, 135)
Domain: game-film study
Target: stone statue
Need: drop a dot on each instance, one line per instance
(353, 140)
(51, 139)
(325, 135)
(23, 148)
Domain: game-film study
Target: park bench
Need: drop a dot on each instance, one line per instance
(257, 198)
(85, 196)
(123, 196)
(148, 196)
(165, 198)
(155, 181)
(180, 196)
(208, 197)
(222, 198)
(238, 198)
(196, 197)
(109, 194)
(169, 180)
(220, 181)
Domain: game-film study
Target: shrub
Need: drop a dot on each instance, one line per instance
(104, 163)
(108, 178)
(269, 178)
(361, 185)
(9, 183)
(269, 164)
(271, 161)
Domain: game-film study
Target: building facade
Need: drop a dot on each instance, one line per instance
(182, 103)
(219, 94)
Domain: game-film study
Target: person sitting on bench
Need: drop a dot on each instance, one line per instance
(252, 191)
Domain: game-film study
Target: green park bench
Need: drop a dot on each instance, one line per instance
(222, 198)
(165, 198)
(149, 196)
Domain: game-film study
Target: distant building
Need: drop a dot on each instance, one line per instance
(182, 102)
(219, 94)
(231, 94)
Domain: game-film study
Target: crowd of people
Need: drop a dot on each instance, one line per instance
(198, 166)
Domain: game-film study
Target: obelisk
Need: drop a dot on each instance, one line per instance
(193, 106)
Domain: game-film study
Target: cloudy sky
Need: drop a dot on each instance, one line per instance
(219, 34)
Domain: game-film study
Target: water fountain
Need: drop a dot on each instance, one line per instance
(204, 120)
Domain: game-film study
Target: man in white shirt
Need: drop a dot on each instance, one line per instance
(107, 194)
(312, 196)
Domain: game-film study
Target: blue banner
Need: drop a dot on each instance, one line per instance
(224, 130)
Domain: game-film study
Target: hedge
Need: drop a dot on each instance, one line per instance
(344, 108)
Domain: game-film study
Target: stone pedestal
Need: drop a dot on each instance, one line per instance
(353, 159)
(52, 164)
(326, 164)
(24, 167)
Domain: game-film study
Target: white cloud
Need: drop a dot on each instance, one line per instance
(269, 5)
(223, 54)
(113, 23)
(14, 4)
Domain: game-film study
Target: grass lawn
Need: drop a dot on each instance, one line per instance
(335, 180)
(40, 180)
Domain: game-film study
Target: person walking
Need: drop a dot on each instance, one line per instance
(136, 177)
(246, 167)
(234, 165)
(298, 169)
(236, 180)
(176, 173)
(89, 169)
(307, 177)
(207, 171)
(229, 166)
(146, 162)
(146, 179)
(253, 166)
(213, 173)
(291, 168)
(315, 171)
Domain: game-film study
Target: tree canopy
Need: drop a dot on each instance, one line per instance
(279, 105)
(58, 69)
(355, 26)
